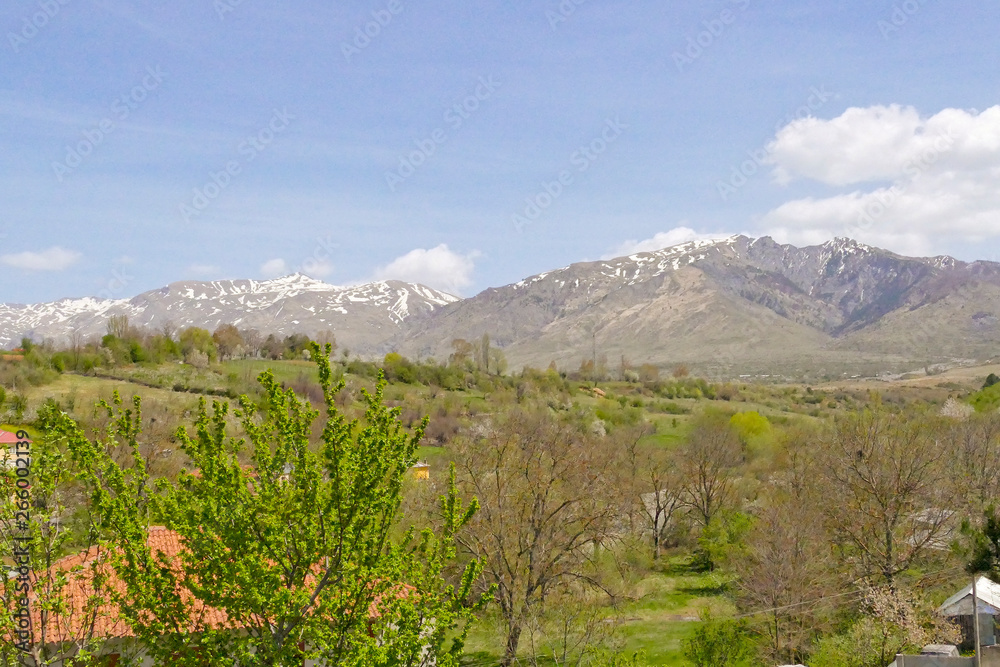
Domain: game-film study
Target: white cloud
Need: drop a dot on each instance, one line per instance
(437, 267)
(675, 236)
(274, 268)
(930, 178)
(53, 259)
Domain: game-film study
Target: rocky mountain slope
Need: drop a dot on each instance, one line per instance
(363, 316)
(737, 306)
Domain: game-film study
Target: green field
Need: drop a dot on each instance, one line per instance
(658, 604)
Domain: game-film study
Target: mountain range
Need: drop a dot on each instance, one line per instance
(363, 317)
(738, 306)
(735, 306)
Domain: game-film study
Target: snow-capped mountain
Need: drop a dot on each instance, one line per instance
(736, 303)
(362, 316)
(725, 307)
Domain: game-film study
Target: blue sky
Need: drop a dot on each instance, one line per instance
(145, 143)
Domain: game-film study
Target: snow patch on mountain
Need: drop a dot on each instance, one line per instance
(283, 305)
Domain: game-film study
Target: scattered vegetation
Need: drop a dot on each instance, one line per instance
(625, 516)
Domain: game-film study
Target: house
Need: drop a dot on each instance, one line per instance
(944, 655)
(959, 607)
(8, 445)
(82, 622)
(99, 626)
(421, 470)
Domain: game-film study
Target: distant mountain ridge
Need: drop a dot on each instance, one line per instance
(362, 315)
(725, 307)
(737, 305)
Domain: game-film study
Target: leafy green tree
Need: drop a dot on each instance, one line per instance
(162, 348)
(722, 539)
(750, 424)
(721, 643)
(228, 340)
(980, 545)
(296, 345)
(991, 380)
(296, 548)
(118, 350)
(196, 339)
(893, 620)
(40, 522)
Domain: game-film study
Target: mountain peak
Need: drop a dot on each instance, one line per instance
(300, 280)
(846, 244)
(691, 246)
(363, 316)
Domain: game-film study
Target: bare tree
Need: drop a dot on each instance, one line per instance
(654, 486)
(545, 489)
(252, 341)
(974, 461)
(786, 569)
(326, 337)
(707, 462)
(168, 329)
(118, 326)
(76, 343)
(888, 501)
(464, 351)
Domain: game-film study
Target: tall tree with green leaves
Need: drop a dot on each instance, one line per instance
(293, 541)
(41, 521)
(980, 545)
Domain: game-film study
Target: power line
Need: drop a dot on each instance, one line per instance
(857, 591)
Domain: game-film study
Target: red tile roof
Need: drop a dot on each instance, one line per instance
(84, 619)
(8, 438)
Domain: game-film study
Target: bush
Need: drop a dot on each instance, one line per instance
(722, 643)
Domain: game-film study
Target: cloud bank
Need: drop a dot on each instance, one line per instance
(53, 259)
(909, 181)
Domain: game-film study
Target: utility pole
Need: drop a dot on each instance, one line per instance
(975, 621)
